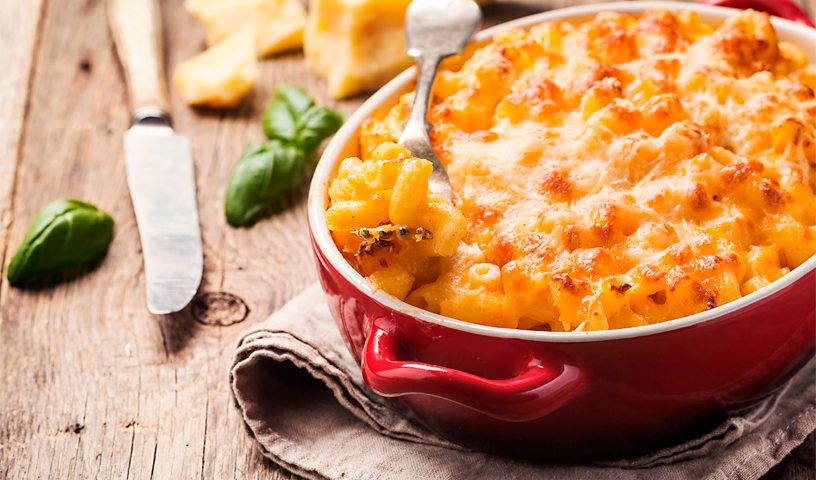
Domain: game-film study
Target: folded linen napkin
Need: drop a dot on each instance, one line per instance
(283, 365)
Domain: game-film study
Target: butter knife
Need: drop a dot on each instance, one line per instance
(158, 162)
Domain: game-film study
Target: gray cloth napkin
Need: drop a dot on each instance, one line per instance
(283, 365)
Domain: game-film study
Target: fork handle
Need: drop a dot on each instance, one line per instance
(136, 29)
(416, 131)
(418, 124)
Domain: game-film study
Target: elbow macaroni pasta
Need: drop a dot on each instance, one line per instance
(618, 173)
(391, 188)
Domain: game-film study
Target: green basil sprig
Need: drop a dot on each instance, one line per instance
(281, 115)
(293, 118)
(315, 125)
(264, 173)
(268, 170)
(65, 234)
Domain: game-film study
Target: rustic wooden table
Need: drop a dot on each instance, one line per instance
(92, 385)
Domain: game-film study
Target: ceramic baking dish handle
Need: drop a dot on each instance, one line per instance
(537, 391)
(779, 8)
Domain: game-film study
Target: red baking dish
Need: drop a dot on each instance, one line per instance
(566, 396)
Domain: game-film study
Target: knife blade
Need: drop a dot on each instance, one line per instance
(160, 177)
(158, 163)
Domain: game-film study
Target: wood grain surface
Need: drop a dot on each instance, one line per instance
(93, 386)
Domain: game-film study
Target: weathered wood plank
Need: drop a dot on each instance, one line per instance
(86, 406)
(19, 29)
(106, 390)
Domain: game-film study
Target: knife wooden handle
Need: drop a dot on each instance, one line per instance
(136, 28)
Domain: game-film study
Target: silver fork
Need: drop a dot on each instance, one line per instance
(434, 30)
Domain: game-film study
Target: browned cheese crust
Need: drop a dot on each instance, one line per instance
(618, 173)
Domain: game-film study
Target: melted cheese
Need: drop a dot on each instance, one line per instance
(279, 22)
(618, 173)
(222, 75)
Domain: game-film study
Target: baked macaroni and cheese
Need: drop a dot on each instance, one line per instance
(613, 174)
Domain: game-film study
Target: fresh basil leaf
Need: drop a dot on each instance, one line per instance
(315, 125)
(265, 172)
(284, 110)
(66, 233)
(268, 170)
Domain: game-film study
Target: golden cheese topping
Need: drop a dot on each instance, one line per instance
(618, 173)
